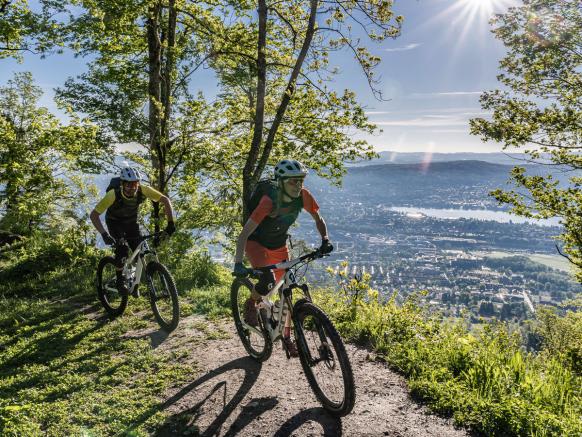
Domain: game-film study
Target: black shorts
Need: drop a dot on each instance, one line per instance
(129, 231)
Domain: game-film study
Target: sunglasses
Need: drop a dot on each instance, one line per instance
(295, 181)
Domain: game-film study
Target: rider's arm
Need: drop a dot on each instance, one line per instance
(164, 200)
(96, 220)
(247, 230)
(320, 224)
(156, 196)
(100, 208)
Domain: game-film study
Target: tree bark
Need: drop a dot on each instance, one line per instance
(154, 91)
(248, 171)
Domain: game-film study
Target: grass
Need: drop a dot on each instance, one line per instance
(66, 369)
(553, 261)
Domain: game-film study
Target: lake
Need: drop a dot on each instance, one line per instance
(475, 214)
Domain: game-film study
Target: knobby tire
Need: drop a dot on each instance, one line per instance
(257, 346)
(167, 291)
(311, 324)
(105, 287)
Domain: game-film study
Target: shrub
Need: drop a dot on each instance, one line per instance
(483, 379)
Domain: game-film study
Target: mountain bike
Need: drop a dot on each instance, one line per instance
(321, 350)
(162, 291)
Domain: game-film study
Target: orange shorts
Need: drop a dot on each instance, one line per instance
(260, 256)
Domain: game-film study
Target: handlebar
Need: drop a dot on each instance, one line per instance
(123, 240)
(256, 274)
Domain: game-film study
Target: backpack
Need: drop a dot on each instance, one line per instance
(264, 187)
(114, 184)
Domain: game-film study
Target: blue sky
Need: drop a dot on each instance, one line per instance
(433, 75)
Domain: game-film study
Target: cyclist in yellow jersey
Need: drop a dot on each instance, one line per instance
(121, 206)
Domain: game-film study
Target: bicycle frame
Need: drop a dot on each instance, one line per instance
(137, 258)
(284, 288)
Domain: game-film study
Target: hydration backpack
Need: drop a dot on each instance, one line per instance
(114, 184)
(264, 187)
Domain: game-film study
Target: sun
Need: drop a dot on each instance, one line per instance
(462, 17)
(480, 7)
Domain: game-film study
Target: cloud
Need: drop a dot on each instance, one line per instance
(447, 94)
(427, 121)
(379, 112)
(405, 48)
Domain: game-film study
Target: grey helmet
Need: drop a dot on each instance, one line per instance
(289, 168)
(130, 174)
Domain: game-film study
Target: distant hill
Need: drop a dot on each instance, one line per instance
(468, 167)
(438, 184)
(418, 157)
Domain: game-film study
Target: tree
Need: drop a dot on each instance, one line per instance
(40, 159)
(541, 112)
(289, 71)
(25, 30)
(145, 56)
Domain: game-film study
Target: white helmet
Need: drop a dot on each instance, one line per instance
(130, 174)
(289, 168)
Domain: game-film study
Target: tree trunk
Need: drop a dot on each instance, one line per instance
(154, 91)
(289, 91)
(166, 88)
(249, 179)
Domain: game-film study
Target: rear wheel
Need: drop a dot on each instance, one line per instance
(324, 358)
(256, 340)
(112, 300)
(163, 296)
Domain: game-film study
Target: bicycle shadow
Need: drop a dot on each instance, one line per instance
(156, 337)
(332, 425)
(186, 421)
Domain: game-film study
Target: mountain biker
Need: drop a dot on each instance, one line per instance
(264, 236)
(121, 204)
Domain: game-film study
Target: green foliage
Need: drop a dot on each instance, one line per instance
(38, 160)
(561, 336)
(541, 112)
(39, 264)
(23, 29)
(196, 270)
(65, 369)
(484, 379)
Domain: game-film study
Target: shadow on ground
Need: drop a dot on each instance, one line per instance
(331, 425)
(185, 422)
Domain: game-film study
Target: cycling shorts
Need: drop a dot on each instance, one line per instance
(260, 256)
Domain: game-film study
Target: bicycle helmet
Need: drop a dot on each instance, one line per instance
(130, 174)
(289, 168)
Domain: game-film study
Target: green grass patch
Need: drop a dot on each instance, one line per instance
(66, 369)
(485, 381)
(65, 373)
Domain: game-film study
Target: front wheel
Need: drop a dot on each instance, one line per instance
(324, 358)
(163, 296)
(255, 339)
(112, 300)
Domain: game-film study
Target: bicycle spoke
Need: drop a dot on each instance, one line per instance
(323, 363)
(113, 302)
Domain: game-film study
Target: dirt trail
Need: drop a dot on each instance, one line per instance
(231, 394)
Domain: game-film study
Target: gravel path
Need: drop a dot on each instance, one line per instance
(231, 394)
